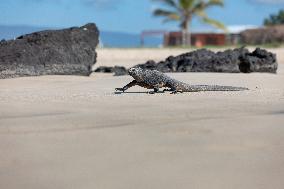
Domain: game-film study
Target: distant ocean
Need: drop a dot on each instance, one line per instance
(107, 38)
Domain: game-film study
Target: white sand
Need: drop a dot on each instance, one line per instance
(64, 132)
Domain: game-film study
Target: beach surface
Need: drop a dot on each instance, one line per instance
(65, 132)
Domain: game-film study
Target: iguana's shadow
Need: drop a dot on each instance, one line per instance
(118, 93)
(131, 92)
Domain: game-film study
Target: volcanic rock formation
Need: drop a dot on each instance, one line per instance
(238, 60)
(53, 52)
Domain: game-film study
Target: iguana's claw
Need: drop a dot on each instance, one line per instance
(167, 90)
(119, 89)
(176, 92)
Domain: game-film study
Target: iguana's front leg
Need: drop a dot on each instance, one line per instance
(131, 84)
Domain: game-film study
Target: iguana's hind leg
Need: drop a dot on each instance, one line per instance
(175, 91)
(156, 90)
(168, 90)
(131, 84)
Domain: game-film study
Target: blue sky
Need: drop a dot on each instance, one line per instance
(130, 16)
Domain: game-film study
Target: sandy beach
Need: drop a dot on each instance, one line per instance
(64, 132)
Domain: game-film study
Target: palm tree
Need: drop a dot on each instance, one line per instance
(184, 10)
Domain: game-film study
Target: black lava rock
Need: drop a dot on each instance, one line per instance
(238, 60)
(259, 60)
(104, 69)
(53, 52)
(229, 61)
(117, 70)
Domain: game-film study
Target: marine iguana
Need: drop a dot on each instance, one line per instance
(153, 79)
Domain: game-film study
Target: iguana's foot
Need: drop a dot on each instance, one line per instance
(175, 92)
(120, 89)
(167, 90)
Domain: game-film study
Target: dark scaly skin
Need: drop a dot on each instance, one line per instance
(152, 79)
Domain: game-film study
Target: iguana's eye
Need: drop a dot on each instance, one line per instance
(131, 70)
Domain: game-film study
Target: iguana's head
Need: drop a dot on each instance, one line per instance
(136, 73)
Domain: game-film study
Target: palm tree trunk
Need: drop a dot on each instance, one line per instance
(186, 34)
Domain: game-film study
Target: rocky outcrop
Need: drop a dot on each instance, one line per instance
(259, 60)
(117, 70)
(230, 61)
(54, 52)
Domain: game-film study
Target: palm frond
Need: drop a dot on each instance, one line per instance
(214, 3)
(200, 6)
(186, 4)
(169, 3)
(214, 23)
(166, 20)
(170, 15)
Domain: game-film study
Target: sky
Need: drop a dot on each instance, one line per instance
(131, 16)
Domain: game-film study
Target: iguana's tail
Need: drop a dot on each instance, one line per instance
(196, 88)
